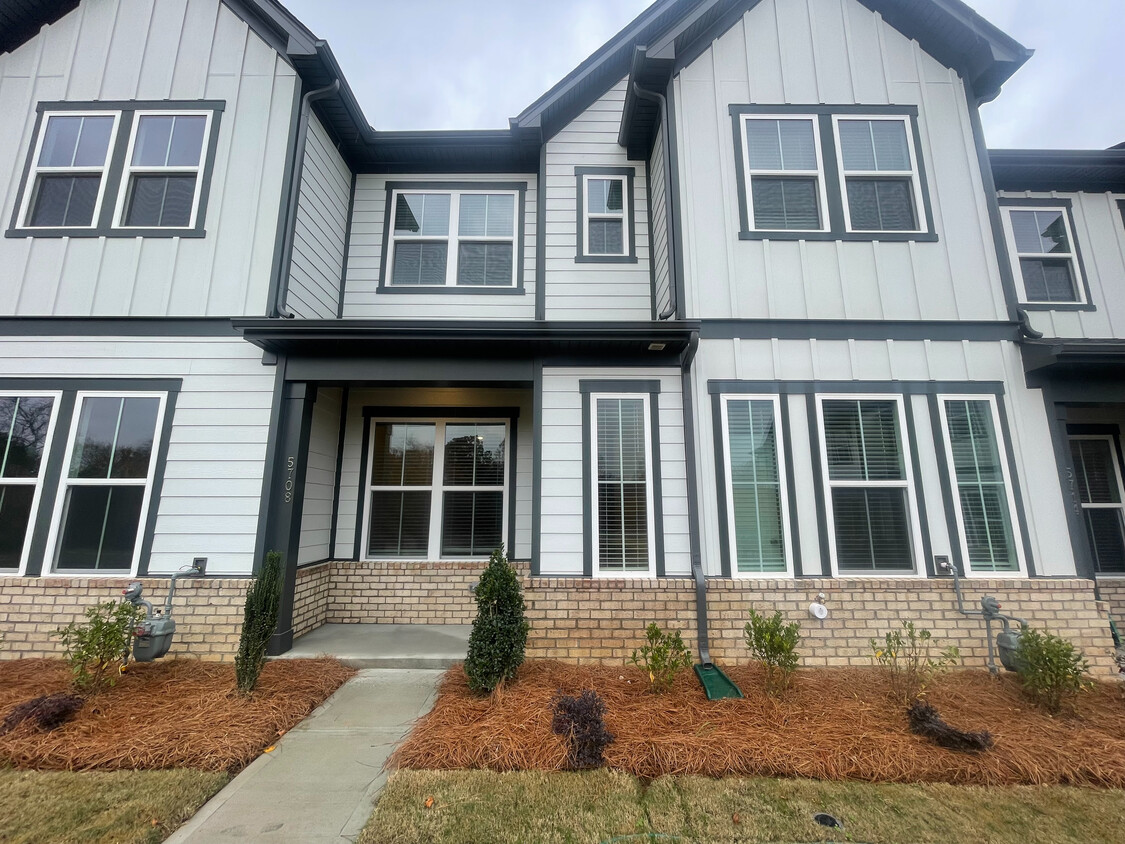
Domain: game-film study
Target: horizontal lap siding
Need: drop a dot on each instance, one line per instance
(213, 478)
(193, 49)
(320, 479)
(662, 277)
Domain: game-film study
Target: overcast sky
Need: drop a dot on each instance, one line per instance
(472, 64)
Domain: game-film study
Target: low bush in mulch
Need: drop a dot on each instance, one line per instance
(832, 724)
(170, 714)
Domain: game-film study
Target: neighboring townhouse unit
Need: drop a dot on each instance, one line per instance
(727, 318)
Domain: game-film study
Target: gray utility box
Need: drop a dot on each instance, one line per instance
(152, 638)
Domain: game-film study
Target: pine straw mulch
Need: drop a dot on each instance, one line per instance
(178, 713)
(833, 724)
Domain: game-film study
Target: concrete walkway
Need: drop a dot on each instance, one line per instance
(386, 645)
(318, 785)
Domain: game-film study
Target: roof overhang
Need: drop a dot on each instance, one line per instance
(20, 20)
(1080, 357)
(1095, 170)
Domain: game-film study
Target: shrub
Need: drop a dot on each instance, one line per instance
(259, 618)
(582, 721)
(499, 633)
(925, 721)
(662, 658)
(47, 712)
(906, 655)
(774, 644)
(97, 648)
(1051, 668)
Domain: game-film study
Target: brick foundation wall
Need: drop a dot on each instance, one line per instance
(404, 593)
(310, 598)
(1112, 591)
(208, 612)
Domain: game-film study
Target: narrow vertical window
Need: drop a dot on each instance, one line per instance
(1100, 491)
(984, 504)
(161, 186)
(1042, 244)
(473, 489)
(26, 423)
(402, 478)
(69, 171)
(756, 503)
(785, 174)
(622, 488)
(881, 188)
(604, 215)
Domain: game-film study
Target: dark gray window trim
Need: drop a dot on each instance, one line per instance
(630, 215)
(1068, 205)
(1104, 430)
(833, 183)
(588, 387)
(857, 329)
(116, 168)
(57, 456)
(117, 327)
(509, 414)
(517, 287)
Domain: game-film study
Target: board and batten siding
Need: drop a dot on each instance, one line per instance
(1099, 231)
(316, 270)
(362, 297)
(661, 275)
(561, 541)
(887, 362)
(212, 485)
(153, 50)
(353, 472)
(835, 52)
(592, 291)
(320, 477)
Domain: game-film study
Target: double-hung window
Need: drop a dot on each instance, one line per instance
(1041, 241)
(1098, 467)
(605, 218)
(879, 172)
(437, 489)
(27, 422)
(985, 508)
(162, 182)
(622, 485)
(871, 508)
(757, 504)
(783, 164)
(68, 179)
(459, 239)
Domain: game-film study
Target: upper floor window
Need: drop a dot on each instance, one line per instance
(880, 190)
(605, 214)
(118, 170)
(464, 239)
(1043, 250)
(784, 167)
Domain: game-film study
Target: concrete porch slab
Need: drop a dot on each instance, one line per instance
(386, 645)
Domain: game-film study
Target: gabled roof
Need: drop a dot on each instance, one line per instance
(1059, 169)
(21, 19)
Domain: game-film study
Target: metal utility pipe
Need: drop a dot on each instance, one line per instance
(666, 143)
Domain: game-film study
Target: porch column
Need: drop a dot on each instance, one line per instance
(287, 498)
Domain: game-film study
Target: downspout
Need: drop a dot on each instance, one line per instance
(297, 165)
(693, 500)
(666, 141)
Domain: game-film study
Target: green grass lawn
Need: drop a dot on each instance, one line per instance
(100, 807)
(483, 807)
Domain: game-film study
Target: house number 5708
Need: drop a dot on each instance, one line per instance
(290, 467)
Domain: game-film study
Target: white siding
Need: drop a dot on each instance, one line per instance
(144, 49)
(353, 473)
(319, 248)
(662, 276)
(835, 52)
(1100, 233)
(213, 478)
(320, 480)
(365, 251)
(593, 290)
(561, 539)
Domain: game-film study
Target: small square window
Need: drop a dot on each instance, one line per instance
(1041, 242)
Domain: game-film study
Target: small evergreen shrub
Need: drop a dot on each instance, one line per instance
(46, 712)
(499, 633)
(581, 720)
(662, 658)
(259, 618)
(907, 656)
(98, 647)
(925, 721)
(1051, 668)
(774, 644)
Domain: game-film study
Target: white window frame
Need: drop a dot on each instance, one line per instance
(437, 488)
(131, 170)
(452, 238)
(914, 173)
(1115, 459)
(622, 215)
(818, 174)
(908, 483)
(1001, 447)
(31, 187)
(37, 481)
(65, 482)
(650, 517)
(783, 489)
(1071, 256)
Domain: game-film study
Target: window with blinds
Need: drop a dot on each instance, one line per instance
(785, 173)
(1042, 244)
(870, 508)
(621, 485)
(880, 177)
(1098, 468)
(985, 509)
(756, 503)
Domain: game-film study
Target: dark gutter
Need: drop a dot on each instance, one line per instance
(1095, 170)
(702, 633)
